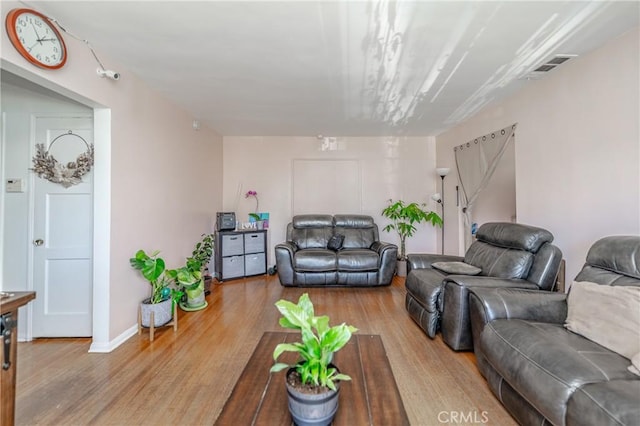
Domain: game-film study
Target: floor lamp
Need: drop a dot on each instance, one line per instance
(442, 172)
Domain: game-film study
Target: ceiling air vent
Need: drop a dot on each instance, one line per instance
(547, 66)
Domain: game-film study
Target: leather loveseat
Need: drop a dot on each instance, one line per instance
(542, 372)
(340, 250)
(505, 255)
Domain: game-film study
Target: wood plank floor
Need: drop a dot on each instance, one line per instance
(184, 378)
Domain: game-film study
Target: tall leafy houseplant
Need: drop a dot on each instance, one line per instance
(163, 296)
(404, 218)
(314, 368)
(189, 279)
(152, 269)
(202, 253)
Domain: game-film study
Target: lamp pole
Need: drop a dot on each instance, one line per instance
(442, 172)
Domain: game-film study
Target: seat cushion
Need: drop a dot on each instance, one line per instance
(616, 402)
(545, 362)
(358, 260)
(315, 260)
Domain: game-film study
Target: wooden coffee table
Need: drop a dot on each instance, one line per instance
(371, 397)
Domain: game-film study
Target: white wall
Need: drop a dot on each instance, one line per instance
(390, 167)
(577, 147)
(165, 178)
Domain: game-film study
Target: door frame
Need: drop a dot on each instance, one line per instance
(101, 204)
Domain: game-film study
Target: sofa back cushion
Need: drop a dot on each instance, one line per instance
(499, 262)
(613, 260)
(310, 230)
(359, 231)
(514, 236)
(506, 250)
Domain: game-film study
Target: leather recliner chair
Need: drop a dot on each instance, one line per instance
(507, 254)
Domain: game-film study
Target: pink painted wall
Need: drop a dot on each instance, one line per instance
(165, 181)
(577, 150)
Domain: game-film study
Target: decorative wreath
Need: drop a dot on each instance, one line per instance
(47, 167)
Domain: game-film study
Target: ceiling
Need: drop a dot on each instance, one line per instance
(337, 68)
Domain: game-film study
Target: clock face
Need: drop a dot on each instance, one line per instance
(35, 37)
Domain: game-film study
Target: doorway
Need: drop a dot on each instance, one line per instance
(62, 235)
(22, 97)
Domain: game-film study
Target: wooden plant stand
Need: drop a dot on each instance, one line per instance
(152, 327)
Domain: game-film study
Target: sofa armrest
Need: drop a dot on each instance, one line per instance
(488, 304)
(284, 262)
(456, 323)
(518, 303)
(381, 246)
(424, 260)
(388, 257)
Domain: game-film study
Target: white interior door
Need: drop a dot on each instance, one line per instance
(63, 235)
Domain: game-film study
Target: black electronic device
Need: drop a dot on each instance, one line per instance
(225, 221)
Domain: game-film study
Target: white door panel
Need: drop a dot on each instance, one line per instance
(62, 255)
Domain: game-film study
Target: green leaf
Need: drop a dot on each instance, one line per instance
(337, 337)
(278, 367)
(284, 347)
(342, 377)
(304, 302)
(293, 313)
(321, 324)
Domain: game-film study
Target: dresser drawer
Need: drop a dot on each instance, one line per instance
(254, 264)
(232, 267)
(232, 245)
(254, 242)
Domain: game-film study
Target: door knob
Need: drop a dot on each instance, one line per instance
(38, 242)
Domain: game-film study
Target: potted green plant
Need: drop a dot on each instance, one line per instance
(163, 295)
(189, 279)
(202, 253)
(404, 218)
(313, 382)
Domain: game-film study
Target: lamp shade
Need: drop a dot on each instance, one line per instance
(442, 171)
(436, 197)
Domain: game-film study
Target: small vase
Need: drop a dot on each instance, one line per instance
(401, 268)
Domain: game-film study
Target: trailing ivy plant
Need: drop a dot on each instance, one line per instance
(319, 343)
(404, 218)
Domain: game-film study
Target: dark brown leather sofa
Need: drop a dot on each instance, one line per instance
(361, 259)
(542, 372)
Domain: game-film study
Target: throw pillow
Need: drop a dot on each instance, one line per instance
(607, 315)
(456, 268)
(335, 242)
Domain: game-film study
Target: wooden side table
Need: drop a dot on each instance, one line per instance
(9, 304)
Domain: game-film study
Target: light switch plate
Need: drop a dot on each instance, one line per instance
(15, 185)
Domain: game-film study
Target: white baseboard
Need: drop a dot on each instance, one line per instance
(106, 347)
